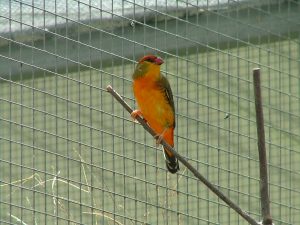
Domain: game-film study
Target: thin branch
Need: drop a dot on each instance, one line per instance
(212, 187)
(264, 195)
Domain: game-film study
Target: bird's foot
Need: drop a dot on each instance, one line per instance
(160, 137)
(135, 114)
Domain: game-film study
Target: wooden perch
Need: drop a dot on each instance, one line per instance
(212, 187)
(263, 169)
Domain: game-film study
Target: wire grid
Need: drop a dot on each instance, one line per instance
(71, 155)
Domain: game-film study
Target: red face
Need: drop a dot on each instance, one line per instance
(152, 59)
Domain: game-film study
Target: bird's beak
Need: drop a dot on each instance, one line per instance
(159, 61)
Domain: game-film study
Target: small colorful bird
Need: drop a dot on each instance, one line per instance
(155, 102)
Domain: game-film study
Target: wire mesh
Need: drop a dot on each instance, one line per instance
(71, 155)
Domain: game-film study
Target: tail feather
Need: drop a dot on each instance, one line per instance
(171, 162)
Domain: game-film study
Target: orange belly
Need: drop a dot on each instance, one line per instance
(155, 109)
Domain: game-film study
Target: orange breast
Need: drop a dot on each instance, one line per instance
(154, 107)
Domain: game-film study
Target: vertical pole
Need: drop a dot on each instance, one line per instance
(264, 195)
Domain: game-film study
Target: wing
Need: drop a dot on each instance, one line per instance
(164, 84)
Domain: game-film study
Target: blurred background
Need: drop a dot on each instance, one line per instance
(70, 154)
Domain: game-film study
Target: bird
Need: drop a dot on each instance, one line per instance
(155, 102)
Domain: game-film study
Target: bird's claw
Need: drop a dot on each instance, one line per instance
(159, 137)
(135, 114)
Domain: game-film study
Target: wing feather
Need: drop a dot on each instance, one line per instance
(164, 84)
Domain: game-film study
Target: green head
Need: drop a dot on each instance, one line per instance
(147, 64)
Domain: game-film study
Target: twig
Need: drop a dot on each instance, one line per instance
(17, 219)
(264, 195)
(105, 216)
(184, 161)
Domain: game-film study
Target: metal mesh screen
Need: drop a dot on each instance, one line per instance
(69, 154)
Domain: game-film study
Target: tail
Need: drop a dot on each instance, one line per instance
(171, 162)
